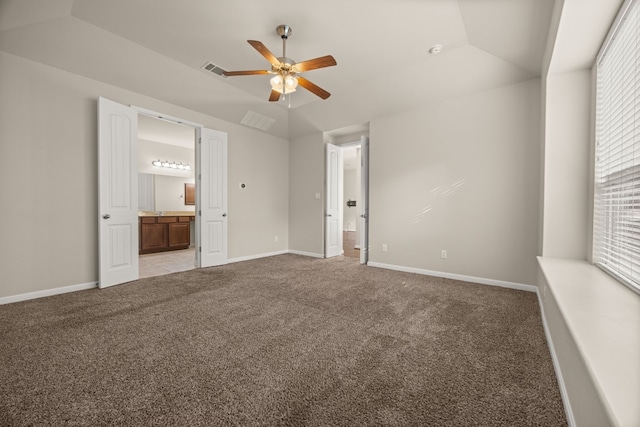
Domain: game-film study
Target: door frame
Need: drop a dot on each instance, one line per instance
(197, 135)
(364, 190)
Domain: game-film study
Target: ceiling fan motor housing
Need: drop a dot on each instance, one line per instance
(283, 31)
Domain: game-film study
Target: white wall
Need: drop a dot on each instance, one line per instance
(567, 166)
(461, 176)
(306, 179)
(48, 128)
(259, 212)
(149, 151)
(351, 192)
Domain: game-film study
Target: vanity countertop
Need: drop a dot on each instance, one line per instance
(166, 213)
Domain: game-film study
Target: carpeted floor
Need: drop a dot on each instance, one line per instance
(285, 340)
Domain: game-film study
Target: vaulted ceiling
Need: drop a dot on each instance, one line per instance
(157, 48)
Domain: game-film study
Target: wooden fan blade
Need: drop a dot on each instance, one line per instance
(312, 64)
(275, 96)
(313, 88)
(245, 73)
(264, 52)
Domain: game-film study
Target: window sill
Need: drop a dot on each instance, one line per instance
(603, 319)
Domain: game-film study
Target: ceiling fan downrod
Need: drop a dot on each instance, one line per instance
(284, 31)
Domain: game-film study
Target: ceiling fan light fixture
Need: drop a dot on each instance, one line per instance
(290, 83)
(286, 69)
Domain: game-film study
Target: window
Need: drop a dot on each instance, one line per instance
(616, 246)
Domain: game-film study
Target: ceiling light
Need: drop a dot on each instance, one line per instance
(171, 165)
(290, 83)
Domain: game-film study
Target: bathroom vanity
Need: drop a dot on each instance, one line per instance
(165, 232)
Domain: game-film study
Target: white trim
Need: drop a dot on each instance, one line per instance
(480, 280)
(613, 30)
(602, 319)
(556, 366)
(48, 293)
(357, 246)
(257, 256)
(165, 117)
(349, 144)
(311, 254)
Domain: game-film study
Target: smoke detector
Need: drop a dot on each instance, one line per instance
(435, 49)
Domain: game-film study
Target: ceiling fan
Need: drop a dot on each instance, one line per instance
(286, 70)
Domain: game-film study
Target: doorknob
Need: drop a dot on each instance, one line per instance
(224, 214)
(106, 216)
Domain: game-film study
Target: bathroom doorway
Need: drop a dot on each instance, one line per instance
(167, 185)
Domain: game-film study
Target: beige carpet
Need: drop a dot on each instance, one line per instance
(286, 340)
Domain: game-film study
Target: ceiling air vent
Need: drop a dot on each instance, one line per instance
(213, 68)
(257, 121)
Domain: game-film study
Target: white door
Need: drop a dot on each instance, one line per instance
(212, 198)
(364, 196)
(333, 214)
(118, 193)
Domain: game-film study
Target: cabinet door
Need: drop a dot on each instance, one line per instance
(179, 235)
(153, 237)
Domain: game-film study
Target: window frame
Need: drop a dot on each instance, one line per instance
(616, 225)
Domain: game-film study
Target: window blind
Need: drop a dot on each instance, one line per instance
(616, 246)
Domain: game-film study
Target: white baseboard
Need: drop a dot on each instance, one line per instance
(47, 293)
(257, 256)
(480, 280)
(556, 366)
(311, 254)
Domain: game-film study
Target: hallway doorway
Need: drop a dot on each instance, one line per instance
(350, 245)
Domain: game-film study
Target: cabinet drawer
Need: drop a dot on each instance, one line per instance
(184, 218)
(148, 219)
(167, 219)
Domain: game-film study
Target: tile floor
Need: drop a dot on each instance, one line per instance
(161, 263)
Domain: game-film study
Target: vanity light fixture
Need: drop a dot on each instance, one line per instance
(171, 165)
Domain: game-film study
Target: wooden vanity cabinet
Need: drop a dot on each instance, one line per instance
(164, 233)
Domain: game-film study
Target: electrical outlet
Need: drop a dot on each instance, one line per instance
(276, 238)
(443, 254)
(384, 247)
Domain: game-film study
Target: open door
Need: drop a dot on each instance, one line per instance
(211, 203)
(118, 193)
(364, 196)
(333, 214)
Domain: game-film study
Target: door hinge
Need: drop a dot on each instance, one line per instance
(199, 140)
(199, 177)
(200, 249)
(199, 213)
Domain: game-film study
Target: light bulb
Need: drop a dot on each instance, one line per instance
(290, 83)
(276, 83)
(156, 163)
